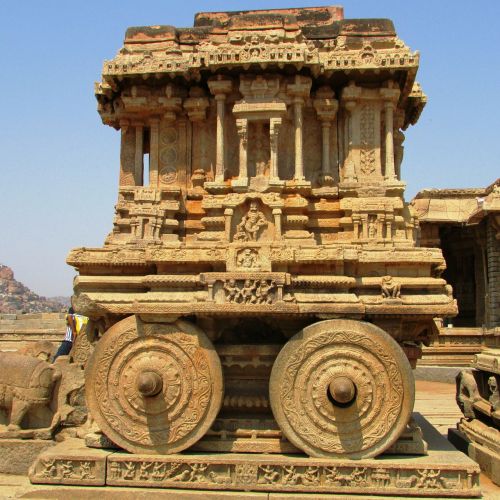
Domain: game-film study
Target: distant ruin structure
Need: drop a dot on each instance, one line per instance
(465, 224)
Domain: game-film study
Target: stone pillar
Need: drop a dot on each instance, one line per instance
(219, 161)
(220, 88)
(228, 215)
(299, 90)
(277, 223)
(326, 107)
(364, 223)
(388, 228)
(196, 107)
(380, 226)
(299, 159)
(274, 129)
(355, 222)
(242, 127)
(139, 154)
(126, 155)
(389, 141)
(349, 171)
(154, 124)
(390, 95)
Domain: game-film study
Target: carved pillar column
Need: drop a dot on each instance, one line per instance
(299, 90)
(219, 161)
(220, 87)
(126, 163)
(389, 141)
(228, 215)
(364, 229)
(349, 170)
(277, 223)
(139, 154)
(299, 159)
(388, 228)
(380, 226)
(154, 124)
(355, 222)
(326, 107)
(390, 96)
(242, 127)
(274, 129)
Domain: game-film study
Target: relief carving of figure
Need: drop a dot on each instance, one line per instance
(467, 392)
(251, 291)
(262, 292)
(372, 229)
(26, 382)
(232, 291)
(251, 224)
(247, 258)
(391, 289)
(494, 398)
(248, 292)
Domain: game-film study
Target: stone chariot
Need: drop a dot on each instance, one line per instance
(262, 289)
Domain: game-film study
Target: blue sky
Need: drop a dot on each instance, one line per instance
(59, 164)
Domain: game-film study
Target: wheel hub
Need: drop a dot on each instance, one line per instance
(149, 383)
(342, 390)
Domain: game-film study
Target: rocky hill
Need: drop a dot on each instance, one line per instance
(17, 298)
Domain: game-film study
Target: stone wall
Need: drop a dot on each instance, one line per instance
(18, 330)
(454, 347)
(493, 252)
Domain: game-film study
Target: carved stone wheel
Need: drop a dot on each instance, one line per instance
(342, 388)
(154, 387)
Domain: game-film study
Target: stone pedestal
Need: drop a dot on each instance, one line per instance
(444, 472)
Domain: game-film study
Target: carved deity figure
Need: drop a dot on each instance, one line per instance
(494, 399)
(372, 229)
(269, 474)
(67, 469)
(391, 289)
(85, 470)
(49, 468)
(232, 291)
(263, 295)
(251, 224)
(467, 392)
(247, 258)
(248, 292)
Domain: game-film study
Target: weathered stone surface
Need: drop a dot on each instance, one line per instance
(70, 462)
(161, 393)
(17, 455)
(360, 415)
(20, 331)
(478, 397)
(483, 446)
(26, 388)
(443, 472)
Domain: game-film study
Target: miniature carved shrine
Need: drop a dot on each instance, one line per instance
(261, 297)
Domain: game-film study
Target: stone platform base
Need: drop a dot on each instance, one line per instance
(481, 443)
(16, 455)
(445, 472)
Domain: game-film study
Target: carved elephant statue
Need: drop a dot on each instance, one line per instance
(25, 382)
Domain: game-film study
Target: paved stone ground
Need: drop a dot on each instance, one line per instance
(435, 400)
